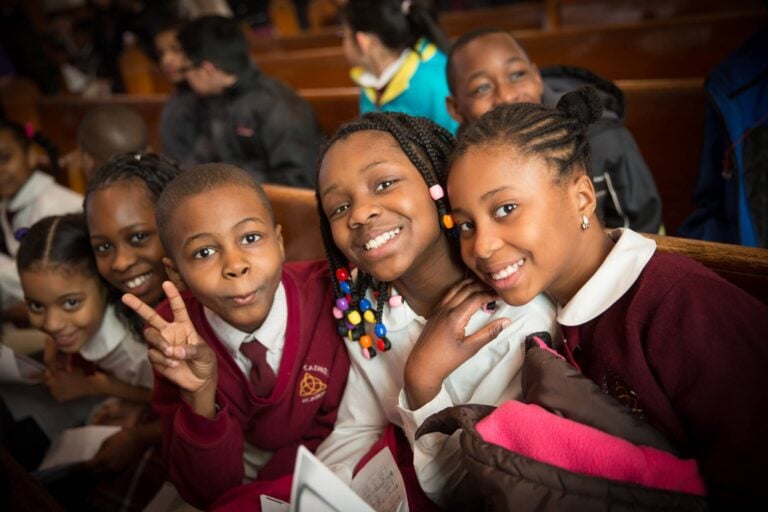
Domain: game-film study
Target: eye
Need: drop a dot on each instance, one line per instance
(72, 304)
(516, 75)
(465, 226)
(251, 238)
(481, 89)
(339, 210)
(205, 252)
(34, 307)
(138, 238)
(385, 185)
(504, 210)
(102, 247)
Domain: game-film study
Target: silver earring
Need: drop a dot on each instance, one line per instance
(584, 223)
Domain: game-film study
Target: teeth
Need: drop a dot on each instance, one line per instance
(137, 281)
(508, 271)
(381, 239)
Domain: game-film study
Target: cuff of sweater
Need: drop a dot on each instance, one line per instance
(200, 430)
(412, 420)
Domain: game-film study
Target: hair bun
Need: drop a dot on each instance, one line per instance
(583, 104)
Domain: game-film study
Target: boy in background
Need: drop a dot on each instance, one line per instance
(488, 67)
(248, 361)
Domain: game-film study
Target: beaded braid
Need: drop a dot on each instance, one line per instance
(419, 138)
(558, 135)
(26, 134)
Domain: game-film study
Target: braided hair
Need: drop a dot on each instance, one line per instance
(558, 135)
(428, 147)
(24, 134)
(58, 240)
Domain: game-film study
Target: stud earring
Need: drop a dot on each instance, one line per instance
(584, 223)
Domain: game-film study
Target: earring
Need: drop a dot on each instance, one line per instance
(584, 223)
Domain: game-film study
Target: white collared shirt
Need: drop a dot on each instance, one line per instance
(374, 398)
(40, 196)
(116, 350)
(610, 282)
(368, 79)
(271, 334)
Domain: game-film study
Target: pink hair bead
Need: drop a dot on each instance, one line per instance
(366, 353)
(436, 191)
(337, 313)
(396, 301)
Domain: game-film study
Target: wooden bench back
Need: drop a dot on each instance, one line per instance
(675, 48)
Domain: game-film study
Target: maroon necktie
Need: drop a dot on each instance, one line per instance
(262, 376)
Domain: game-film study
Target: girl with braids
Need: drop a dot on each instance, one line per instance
(26, 196)
(120, 211)
(399, 56)
(383, 212)
(677, 344)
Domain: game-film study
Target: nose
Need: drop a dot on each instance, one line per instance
(506, 94)
(235, 265)
(53, 321)
(124, 258)
(485, 243)
(363, 213)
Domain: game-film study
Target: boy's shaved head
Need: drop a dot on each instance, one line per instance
(107, 130)
(199, 180)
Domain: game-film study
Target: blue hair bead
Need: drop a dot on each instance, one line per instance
(20, 234)
(380, 330)
(364, 304)
(345, 288)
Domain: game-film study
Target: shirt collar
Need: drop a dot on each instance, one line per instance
(368, 79)
(613, 278)
(29, 191)
(110, 334)
(271, 334)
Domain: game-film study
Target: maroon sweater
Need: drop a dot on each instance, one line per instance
(205, 456)
(688, 351)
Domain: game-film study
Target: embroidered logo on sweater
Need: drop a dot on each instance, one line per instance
(618, 389)
(311, 386)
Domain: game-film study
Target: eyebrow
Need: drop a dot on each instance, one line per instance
(365, 168)
(486, 196)
(257, 220)
(483, 71)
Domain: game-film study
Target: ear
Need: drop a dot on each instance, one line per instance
(453, 109)
(280, 241)
(87, 164)
(537, 77)
(586, 198)
(173, 273)
(363, 41)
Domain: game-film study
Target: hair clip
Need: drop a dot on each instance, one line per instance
(20, 234)
(29, 130)
(137, 156)
(405, 7)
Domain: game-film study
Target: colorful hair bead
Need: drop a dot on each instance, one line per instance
(364, 304)
(370, 316)
(490, 307)
(354, 317)
(367, 353)
(349, 324)
(345, 288)
(448, 221)
(436, 192)
(342, 274)
(380, 330)
(337, 313)
(366, 341)
(384, 344)
(342, 304)
(396, 301)
(342, 330)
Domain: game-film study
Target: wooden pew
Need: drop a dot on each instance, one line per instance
(667, 48)
(746, 267)
(666, 118)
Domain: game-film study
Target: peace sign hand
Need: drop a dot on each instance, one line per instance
(177, 352)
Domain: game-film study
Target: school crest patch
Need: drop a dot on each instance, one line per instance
(311, 385)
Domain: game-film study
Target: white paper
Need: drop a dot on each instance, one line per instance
(76, 445)
(381, 485)
(270, 504)
(316, 489)
(18, 368)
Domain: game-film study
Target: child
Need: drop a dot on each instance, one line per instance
(676, 343)
(487, 67)
(108, 130)
(26, 196)
(120, 210)
(244, 116)
(383, 211)
(398, 53)
(248, 361)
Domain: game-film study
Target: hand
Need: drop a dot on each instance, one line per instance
(177, 352)
(117, 452)
(443, 345)
(117, 412)
(66, 385)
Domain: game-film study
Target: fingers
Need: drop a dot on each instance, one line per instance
(464, 290)
(177, 303)
(486, 334)
(470, 302)
(144, 311)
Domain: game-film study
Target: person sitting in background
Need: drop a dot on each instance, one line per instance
(488, 67)
(246, 117)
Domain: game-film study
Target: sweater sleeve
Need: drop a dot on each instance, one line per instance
(204, 456)
(712, 367)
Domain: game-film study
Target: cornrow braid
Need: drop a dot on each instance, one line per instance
(26, 134)
(58, 240)
(558, 135)
(428, 147)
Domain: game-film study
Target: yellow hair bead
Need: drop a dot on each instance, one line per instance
(448, 221)
(366, 341)
(370, 316)
(354, 317)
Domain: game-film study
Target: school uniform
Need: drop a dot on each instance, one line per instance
(206, 457)
(115, 350)
(39, 197)
(415, 84)
(375, 397)
(684, 349)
